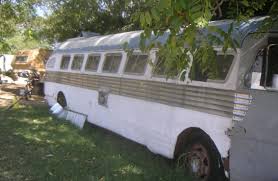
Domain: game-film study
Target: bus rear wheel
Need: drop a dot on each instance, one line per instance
(200, 159)
(61, 99)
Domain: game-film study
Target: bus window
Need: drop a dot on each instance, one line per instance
(65, 62)
(220, 72)
(92, 63)
(159, 69)
(77, 62)
(270, 67)
(112, 63)
(253, 77)
(136, 64)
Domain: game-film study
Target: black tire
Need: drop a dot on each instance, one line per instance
(201, 159)
(61, 99)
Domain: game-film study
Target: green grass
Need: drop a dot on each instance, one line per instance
(37, 146)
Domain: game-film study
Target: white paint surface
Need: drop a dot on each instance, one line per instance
(152, 124)
(76, 119)
(56, 108)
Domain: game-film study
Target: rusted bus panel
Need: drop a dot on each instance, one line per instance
(210, 100)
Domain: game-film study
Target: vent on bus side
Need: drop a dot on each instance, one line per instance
(103, 96)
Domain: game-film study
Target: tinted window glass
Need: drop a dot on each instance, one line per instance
(112, 63)
(21, 58)
(77, 62)
(223, 64)
(92, 62)
(136, 64)
(65, 62)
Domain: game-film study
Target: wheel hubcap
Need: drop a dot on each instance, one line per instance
(197, 162)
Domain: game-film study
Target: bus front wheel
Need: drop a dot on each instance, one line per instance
(200, 158)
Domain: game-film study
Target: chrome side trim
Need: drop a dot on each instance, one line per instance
(210, 100)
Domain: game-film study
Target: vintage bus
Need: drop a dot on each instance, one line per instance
(219, 128)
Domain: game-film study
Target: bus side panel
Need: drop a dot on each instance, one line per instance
(254, 151)
(78, 99)
(152, 124)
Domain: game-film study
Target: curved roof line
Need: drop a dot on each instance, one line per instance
(116, 41)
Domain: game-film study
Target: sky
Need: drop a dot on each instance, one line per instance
(42, 11)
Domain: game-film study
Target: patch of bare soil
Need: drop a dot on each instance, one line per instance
(9, 93)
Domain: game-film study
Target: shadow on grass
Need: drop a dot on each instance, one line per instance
(11, 88)
(37, 146)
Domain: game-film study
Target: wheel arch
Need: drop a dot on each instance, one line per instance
(186, 135)
(192, 132)
(62, 94)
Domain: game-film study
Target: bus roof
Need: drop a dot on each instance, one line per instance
(117, 41)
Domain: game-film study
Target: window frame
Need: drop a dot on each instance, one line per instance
(134, 73)
(71, 64)
(104, 60)
(218, 52)
(265, 68)
(156, 76)
(86, 61)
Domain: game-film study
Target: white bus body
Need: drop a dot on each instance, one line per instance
(146, 108)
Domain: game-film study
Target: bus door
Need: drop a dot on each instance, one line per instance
(254, 140)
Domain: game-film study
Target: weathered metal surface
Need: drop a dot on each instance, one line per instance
(254, 150)
(209, 100)
(117, 41)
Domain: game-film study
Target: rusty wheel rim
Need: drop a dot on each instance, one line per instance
(197, 162)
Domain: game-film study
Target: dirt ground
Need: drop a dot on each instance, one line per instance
(9, 93)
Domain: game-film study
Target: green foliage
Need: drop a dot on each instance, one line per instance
(70, 17)
(181, 19)
(184, 20)
(18, 18)
(20, 41)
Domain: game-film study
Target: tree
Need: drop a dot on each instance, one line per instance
(17, 22)
(70, 17)
(183, 20)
